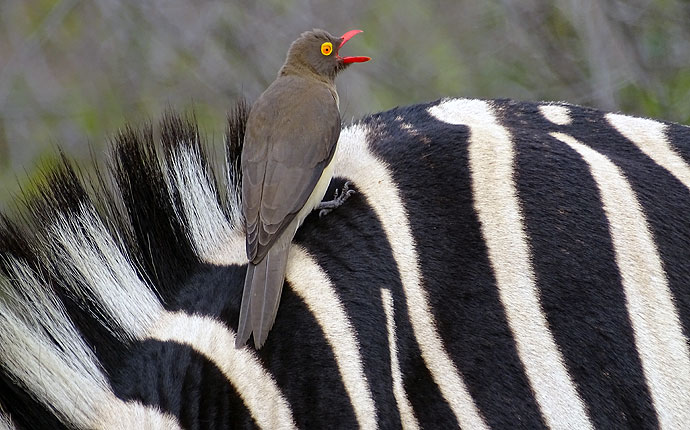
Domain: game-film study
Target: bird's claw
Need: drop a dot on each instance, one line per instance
(338, 199)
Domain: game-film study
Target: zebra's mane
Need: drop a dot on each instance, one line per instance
(500, 262)
(89, 261)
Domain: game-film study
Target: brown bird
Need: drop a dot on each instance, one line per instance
(291, 136)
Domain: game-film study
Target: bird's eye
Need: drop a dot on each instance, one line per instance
(326, 48)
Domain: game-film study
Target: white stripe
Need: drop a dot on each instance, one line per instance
(88, 254)
(314, 287)
(215, 239)
(207, 224)
(58, 377)
(133, 416)
(650, 137)
(125, 298)
(66, 378)
(212, 339)
(557, 114)
(493, 188)
(6, 422)
(407, 418)
(372, 179)
(658, 333)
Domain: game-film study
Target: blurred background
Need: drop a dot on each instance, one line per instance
(72, 72)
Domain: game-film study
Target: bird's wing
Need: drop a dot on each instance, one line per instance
(291, 137)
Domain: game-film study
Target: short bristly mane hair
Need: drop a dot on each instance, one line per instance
(132, 223)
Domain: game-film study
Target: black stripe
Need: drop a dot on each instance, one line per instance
(679, 138)
(663, 198)
(351, 247)
(430, 165)
(303, 364)
(156, 238)
(26, 412)
(62, 194)
(674, 242)
(574, 262)
(297, 355)
(182, 383)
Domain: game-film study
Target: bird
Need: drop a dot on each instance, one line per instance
(287, 164)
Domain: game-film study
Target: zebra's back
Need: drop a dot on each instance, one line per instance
(502, 265)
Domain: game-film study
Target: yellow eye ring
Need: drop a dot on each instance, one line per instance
(326, 48)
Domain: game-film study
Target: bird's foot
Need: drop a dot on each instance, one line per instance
(339, 198)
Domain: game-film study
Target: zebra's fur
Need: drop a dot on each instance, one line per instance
(502, 265)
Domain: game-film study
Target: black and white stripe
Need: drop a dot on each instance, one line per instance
(502, 265)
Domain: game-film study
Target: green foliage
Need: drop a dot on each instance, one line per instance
(671, 100)
(72, 73)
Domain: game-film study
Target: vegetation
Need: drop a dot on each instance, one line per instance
(72, 71)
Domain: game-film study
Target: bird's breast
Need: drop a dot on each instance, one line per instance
(317, 194)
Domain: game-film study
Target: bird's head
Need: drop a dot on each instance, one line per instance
(317, 51)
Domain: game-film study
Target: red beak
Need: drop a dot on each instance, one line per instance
(344, 38)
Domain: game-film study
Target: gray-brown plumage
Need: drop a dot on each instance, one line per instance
(290, 139)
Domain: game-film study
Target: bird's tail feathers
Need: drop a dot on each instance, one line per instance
(267, 287)
(263, 286)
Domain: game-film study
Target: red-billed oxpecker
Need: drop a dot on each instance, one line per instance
(290, 140)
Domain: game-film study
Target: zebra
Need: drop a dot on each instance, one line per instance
(502, 264)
